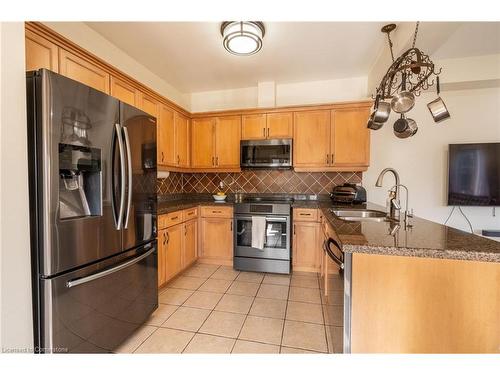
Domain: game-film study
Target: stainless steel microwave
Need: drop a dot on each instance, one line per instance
(267, 153)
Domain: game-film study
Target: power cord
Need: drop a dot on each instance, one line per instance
(466, 218)
(463, 214)
(451, 213)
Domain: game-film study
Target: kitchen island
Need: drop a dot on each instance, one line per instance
(426, 288)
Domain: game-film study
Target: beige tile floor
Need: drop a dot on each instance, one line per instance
(215, 309)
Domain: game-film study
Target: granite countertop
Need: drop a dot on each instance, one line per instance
(423, 239)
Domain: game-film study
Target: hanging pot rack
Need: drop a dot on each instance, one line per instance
(413, 66)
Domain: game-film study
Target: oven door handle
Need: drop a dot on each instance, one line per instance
(331, 254)
(268, 218)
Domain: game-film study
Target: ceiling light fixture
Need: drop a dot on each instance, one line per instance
(242, 38)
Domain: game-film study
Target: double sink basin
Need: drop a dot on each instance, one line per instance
(352, 214)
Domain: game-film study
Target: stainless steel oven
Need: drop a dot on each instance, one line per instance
(275, 256)
(267, 153)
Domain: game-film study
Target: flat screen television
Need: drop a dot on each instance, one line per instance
(474, 174)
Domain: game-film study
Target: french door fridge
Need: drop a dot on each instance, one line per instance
(92, 162)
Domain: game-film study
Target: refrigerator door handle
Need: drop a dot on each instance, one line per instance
(129, 165)
(98, 275)
(122, 174)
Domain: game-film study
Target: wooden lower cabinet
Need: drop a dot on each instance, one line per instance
(424, 305)
(177, 243)
(173, 254)
(190, 252)
(306, 254)
(162, 261)
(217, 240)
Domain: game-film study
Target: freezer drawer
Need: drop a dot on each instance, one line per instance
(96, 308)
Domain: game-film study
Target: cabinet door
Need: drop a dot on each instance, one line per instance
(217, 238)
(202, 143)
(350, 137)
(149, 104)
(175, 243)
(227, 142)
(83, 71)
(123, 91)
(181, 140)
(162, 260)
(279, 125)
(253, 126)
(311, 138)
(166, 137)
(190, 242)
(306, 254)
(40, 53)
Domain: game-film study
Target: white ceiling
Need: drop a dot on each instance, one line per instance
(190, 55)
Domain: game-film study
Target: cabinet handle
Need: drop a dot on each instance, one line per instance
(332, 159)
(190, 213)
(216, 212)
(178, 159)
(185, 230)
(327, 158)
(164, 238)
(168, 238)
(162, 156)
(304, 214)
(231, 226)
(294, 229)
(267, 132)
(174, 218)
(213, 161)
(217, 161)
(264, 132)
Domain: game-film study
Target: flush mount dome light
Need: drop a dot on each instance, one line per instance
(242, 37)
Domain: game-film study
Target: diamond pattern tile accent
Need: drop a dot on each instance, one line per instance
(254, 182)
(268, 181)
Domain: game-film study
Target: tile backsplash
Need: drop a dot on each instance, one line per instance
(257, 181)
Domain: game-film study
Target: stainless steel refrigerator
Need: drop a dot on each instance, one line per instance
(92, 162)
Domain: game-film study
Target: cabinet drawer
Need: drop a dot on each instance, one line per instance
(190, 213)
(170, 219)
(305, 214)
(212, 211)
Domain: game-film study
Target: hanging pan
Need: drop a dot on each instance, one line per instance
(405, 127)
(437, 107)
(403, 101)
(379, 115)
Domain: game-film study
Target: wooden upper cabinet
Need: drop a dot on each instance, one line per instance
(148, 104)
(253, 126)
(203, 143)
(181, 140)
(350, 137)
(81, 70)
(267, 126)
(40, 53)
(166, 137)
(123, 91)
(227, 141)
(279, 125)
(311, 136)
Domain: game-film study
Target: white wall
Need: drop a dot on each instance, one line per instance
(15, 275)
(299, 93)
(422, 159)
(87, 38)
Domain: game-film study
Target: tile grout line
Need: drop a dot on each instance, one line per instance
(246, 317)
(286, 310)
(210, 313)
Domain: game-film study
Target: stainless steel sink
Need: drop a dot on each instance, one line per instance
(359, 214)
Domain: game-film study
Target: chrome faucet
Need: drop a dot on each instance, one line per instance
(408, 213)
(395, 206)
